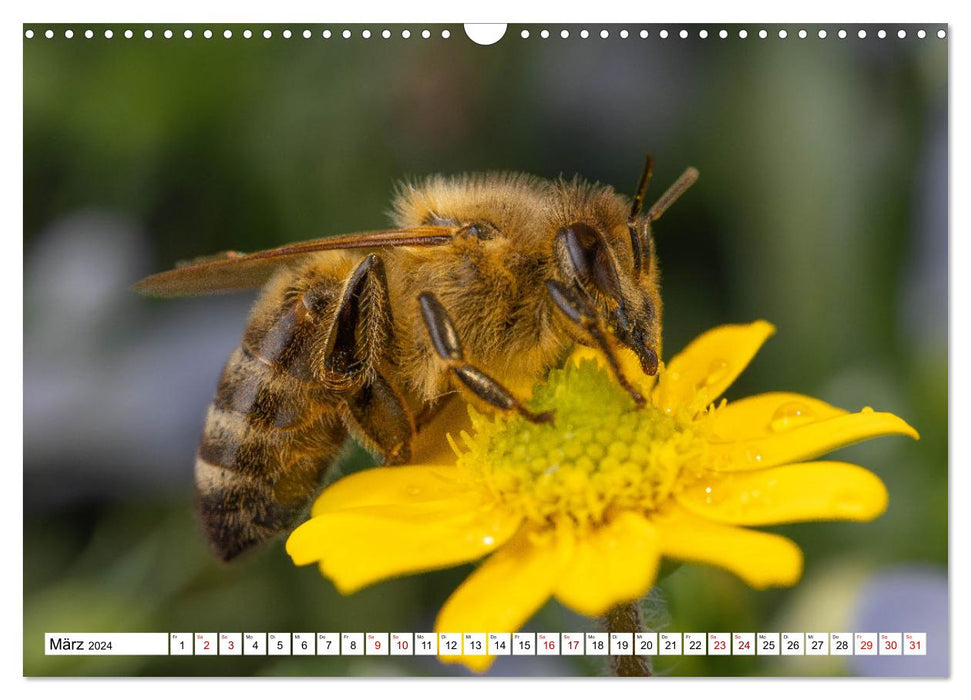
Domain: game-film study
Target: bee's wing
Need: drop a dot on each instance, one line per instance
(232, 271)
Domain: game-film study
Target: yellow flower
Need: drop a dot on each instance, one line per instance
(584, 509)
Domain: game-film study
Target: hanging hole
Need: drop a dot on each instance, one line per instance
(485, 34)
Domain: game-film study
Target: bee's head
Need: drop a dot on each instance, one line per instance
(611, 269)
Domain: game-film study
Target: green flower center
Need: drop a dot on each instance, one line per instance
(601, 454)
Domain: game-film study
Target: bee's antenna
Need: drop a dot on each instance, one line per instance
(686, 180)
(642, 188)
(635, 209)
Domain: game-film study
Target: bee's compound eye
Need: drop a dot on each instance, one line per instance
(581, 242)
(584, 234)
(587, 258)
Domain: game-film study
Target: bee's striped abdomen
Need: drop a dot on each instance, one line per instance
(270, 433)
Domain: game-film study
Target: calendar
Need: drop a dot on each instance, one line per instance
(491, 643)
(372, 226)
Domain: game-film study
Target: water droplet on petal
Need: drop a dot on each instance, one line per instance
(867, 409)
(716, 373)
(750, 456)
(487, 540)
(848, 504)
(791, 415)
(712, 495)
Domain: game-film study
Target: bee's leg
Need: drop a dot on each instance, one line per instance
(446, 343)
(578, 309)
(360, 335)
(382, 418)
(361, 321)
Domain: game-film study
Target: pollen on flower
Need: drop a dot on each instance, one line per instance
(602, 454)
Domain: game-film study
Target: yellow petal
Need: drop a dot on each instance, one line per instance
(787, 446)
(391, 486)
(358, 547)
(503, 593)
(766, 414)
(810, 491)
(711, 362)
(758, 558)
(629, 365)
(615, 564)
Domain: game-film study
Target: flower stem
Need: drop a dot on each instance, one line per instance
(627, 618)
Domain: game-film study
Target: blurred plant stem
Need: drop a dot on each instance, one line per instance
(627, 618)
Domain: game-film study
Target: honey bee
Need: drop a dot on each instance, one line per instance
(484, 282)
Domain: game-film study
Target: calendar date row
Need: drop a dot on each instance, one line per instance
(492, 643)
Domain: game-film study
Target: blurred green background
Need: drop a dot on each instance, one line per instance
(822, 207)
